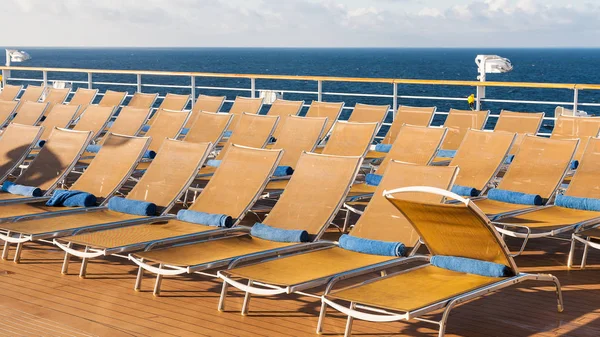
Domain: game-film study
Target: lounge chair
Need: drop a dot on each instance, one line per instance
(589, 237)
(584, 128)
(298, 135)
(113, 98)
(172, 102)
(283, 109)
(562, 217)
(30, 113)
(536, 171)
(207, 104)
(15, 144)
(208, 127)
(129, 121)
(523, 123)
(32, 93)
(59, 116)
(411, 115)
(10, 92)
(141, 100)
(225, 185)
(84, 97)
(95, 118)
(365, 113)
(326, 109)
(380, 222)
(163, 183)
(458, 233)
(311, 200)
(458, 122)
(243, 105)
(7, 111)
(120, 153)
(56, 96)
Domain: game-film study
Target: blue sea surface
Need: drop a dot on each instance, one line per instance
(530, 65)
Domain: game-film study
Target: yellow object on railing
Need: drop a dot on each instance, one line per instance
(471, 101)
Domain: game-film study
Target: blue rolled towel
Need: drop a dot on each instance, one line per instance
(446, 153)
(27, 191)
(149, 154)
(585, 204)
(373, 179)
(145, 127)
(509, 159)
(282, 171)
(383, 147)
(93, 148)
(471, 266)
(130, 206)
(227, 133)
(208, 219)
(374, 247)
(574, 164)
(41, 143)
(71, 199)
(272, 139)
(267, 232)
(185, 131)
(213, 163)
(465, 191)
(515, 197)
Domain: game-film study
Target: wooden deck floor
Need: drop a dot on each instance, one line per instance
(37, 300)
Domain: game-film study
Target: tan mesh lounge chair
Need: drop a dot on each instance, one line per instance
(168, 125)
(84, 97)
(458, 122)
(225, 185)
(451, 230)
(141, 100)
(523, 123)
(241, 105)
(16, 142)
(10, 92)
(208, 127)
(298, 135)
(207, 104)
(30, 113)
(538, 169)
(32, 93)
(364, 113)
(314, 195)
(172, 102)
(411, 115)
(95, 118)
(60, 116)
(326, 109)
(130, 121)
(7, 111)
(113, 98)
(283, 109)
(567, 127)
(379, 221)
(56, 96)
(163, 183)
(120, 153)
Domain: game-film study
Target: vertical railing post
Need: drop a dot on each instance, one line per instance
(319, 91)
(193, 91)
(253, 88)
(90, 83)
(575, 101)
(139, 82)
(45, 78)
(395, 100)
(4, 77)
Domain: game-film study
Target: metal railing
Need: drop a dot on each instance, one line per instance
(316, 91)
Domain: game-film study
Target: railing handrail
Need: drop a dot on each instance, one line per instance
(540, 85)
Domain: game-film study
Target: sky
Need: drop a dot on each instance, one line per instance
(300, 23)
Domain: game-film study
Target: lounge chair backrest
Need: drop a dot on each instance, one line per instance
(84, 97)
(539, 166)
(60, 116)
(16, 142)
(208, 127)
(141, 100)
(112, 98)
(170, 173)
(208, 103)
(10, 92)
(380, 220)
(95, 118)
(458, 229)
(168, 124)
(575, 127)
(56, 158)
(315, 193)
(283, 109)
(252, 131)
(130, 121)
(480, 157)
(30, 113)
(7, 110)
(415, 145)
(365, 113)
(585, 182)
(174, 102)
(32, 93)
(112, 165)
(239, 190)
(244, 105)
(56, 96)
(350, 139)
(326, 109)
(299, 134)
(411, 115)
(458, 122)
(523, 123)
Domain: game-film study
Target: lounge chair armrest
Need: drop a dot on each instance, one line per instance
(47, 215)
(299, 248)
(363, 315)
(23, 200)
(248, 288)
(197, 237)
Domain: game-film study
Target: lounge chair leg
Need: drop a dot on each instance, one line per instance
(158, 282)
(84, 262)
(559, 297)
(246, 305)
(322, 315)
(571, 252)
(6, 248)
(17, 257)
(585, 253)
(224, 290)
(349, 321)
(65, 266)
(138, 279)
(444, 320)
(346, 221)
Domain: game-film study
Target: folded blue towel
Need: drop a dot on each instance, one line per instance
(574, 164)
(27, 191)
(515, 197)
(185, 131)
(71, 199)
(446, 153)
(471, 266)
(374, 247)
(267, 232)
(227, 133)
(213, 163)
(585, 204)
(282, 171)
(509, 159)
(130, 206)
(41, 143)
(96, 148)
(465, 191)
(145, 127)
(383, 147)
(208, 219)
(373, 179)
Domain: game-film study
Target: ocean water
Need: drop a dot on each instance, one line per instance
(530, 65)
